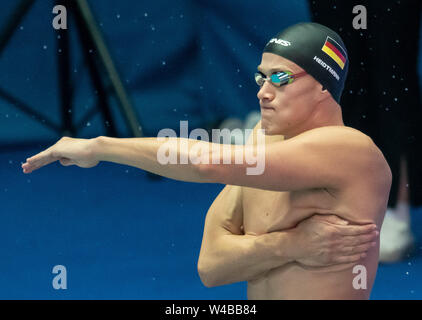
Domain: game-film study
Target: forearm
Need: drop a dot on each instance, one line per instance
(169, 157)
(235, 258)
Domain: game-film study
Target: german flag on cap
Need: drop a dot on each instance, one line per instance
(335, 51)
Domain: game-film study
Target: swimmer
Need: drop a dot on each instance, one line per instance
(297, 230)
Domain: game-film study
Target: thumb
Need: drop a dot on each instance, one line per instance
(65, 162)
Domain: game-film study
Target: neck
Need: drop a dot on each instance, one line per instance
(324, 116)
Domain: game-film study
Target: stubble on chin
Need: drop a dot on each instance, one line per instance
(267, 128)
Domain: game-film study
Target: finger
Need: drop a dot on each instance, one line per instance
(332, 218)
(39, 160)
(66, 162)
(353, 250)
(350, 259)
(356, 229)
(360, 239)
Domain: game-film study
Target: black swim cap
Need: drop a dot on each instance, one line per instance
(316, 49)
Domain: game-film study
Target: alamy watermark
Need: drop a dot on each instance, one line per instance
(60, 20)
(360, 20)
(360, 280)
(60, 280)
(184, 151)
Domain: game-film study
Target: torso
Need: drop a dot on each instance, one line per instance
(363, 201)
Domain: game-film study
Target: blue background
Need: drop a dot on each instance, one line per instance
(120, 234)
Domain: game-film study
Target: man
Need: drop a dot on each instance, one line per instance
(356, 177)
(280, 230)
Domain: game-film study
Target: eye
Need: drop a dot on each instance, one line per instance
(280, 77)
(275, 78)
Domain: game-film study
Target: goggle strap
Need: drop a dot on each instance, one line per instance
(290, 77)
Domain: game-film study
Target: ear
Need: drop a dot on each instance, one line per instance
(323, 94)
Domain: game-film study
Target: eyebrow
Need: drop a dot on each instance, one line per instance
(272, 70)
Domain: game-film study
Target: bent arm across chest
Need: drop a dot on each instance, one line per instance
(227, 255)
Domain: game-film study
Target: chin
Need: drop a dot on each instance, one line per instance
(270, 129)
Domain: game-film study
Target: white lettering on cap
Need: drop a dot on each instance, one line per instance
(280, 41)
(327, 67)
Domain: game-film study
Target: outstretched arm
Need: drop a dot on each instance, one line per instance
(169, 157)
(322, 158)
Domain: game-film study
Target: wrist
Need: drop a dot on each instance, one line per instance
(279, 244)
(96, 147)
(292, 244)
(287, 242)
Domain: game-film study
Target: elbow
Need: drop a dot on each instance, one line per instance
(206, 281)
(207, 275)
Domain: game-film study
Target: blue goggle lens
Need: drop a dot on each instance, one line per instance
(277, 79)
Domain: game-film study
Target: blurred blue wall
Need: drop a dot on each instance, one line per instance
(180, 60)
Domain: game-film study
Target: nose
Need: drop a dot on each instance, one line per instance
(266, 92)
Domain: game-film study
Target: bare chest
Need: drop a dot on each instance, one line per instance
(266, 211)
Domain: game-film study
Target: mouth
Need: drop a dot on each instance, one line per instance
(266, 108)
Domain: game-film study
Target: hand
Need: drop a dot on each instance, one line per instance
(328, 240)
(69, 151)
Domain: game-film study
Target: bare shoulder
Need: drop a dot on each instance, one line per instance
(359, 138)
(339, 133)
(343, 140)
